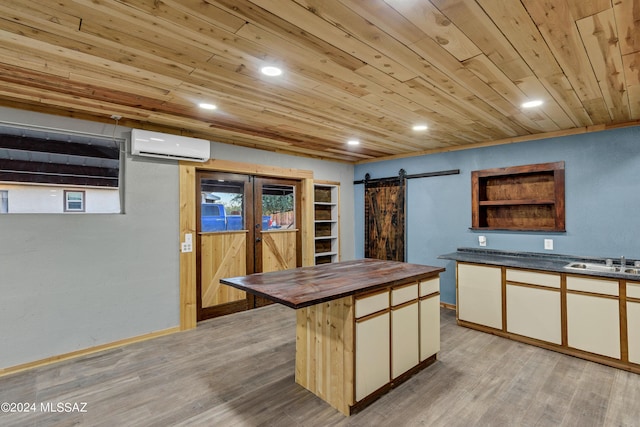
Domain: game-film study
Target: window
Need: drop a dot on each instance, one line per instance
(73, 201)
(56, 171)
(4, 201)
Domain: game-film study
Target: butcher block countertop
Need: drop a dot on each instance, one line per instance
(306, 286)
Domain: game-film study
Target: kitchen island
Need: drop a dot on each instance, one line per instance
(362, 326)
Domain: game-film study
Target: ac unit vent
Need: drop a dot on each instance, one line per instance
(166, 146)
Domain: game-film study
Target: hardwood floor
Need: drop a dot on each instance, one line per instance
(216, 376)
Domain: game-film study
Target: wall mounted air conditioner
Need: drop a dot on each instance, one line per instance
(166, 146)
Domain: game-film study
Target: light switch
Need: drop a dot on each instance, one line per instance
(548, 244)
(188, 238)
(482, 240)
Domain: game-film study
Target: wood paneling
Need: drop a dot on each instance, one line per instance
(367, 69)
(222, 254)
(278, 250)
(324, 351)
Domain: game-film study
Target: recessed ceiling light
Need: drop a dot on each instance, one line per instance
(271, 71)
(532, 104)
(353, 142)
(420, 127)
(206, 106)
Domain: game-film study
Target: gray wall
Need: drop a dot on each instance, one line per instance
(70, 282)
(602, 173)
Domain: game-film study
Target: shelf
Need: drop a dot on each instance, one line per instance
(520, 198)
(326, 223)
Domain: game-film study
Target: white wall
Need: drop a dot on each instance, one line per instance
(70, 282)
(50, 199)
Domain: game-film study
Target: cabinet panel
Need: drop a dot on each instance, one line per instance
(429, 326)
(404, 338)
(593, 324)
(633, 290)
(534, 313)
(372, 303)
(428, 287)
(480, 295)
(588, 284)
(533, 278)
(404, 294)
(372, 355)
(633, 331)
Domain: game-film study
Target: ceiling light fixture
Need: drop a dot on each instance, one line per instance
(532, 104)
(420, 127)
(353, 142)
(271, 71)
(206, 106)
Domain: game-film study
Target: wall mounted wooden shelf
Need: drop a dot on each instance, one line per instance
(520, 198)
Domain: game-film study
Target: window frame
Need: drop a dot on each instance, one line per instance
(82, 201)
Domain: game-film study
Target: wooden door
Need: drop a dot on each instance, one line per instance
(278, 239)
(224, 241)
(384, 207)
(245, 225)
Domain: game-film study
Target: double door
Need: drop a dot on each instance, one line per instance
(246, 224)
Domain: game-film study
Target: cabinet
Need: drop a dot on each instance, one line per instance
(534, 305)
(593, 315)
(326, 223)
(372, 343)
(529, 197)
(480, 295)
(405, 341)
(633, 321)
(429, 318)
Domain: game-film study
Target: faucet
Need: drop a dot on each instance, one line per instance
(623, 262)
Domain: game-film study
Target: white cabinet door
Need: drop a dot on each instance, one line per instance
(593, 324)
(633, 331)
(480, 295)
(534, 313)
(404, 338)
(372, 355)
(429, 326)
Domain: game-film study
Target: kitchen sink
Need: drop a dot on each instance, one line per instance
(591, 266)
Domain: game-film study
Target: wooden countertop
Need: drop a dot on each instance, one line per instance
(305, 286)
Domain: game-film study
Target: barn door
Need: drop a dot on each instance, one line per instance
(384, 208)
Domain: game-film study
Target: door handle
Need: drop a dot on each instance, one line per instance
(258, 239)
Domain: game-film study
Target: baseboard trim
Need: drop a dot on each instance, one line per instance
(448, 306)
(86, 351)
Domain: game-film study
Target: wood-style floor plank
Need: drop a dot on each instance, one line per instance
(238, 370)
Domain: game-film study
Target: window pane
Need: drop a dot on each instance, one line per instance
(74, 201)
(36, 165)
(221, 205)
(278, 207)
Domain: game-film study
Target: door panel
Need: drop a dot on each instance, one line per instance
(278, 250)
(384, 208)
(222, 255)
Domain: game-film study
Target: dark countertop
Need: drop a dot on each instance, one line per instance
(306, 286)
(535, 261)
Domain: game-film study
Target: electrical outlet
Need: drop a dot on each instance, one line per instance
(186, 247)
(482, 240)
(548, 244)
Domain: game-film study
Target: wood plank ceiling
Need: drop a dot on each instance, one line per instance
(366, 70)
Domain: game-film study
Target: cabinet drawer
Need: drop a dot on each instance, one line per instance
(633, 290)
(533, 278)
(372, 303)
(431, 286)
(596, 286)
(404, 294)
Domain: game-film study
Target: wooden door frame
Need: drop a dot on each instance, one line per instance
(188, 268)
